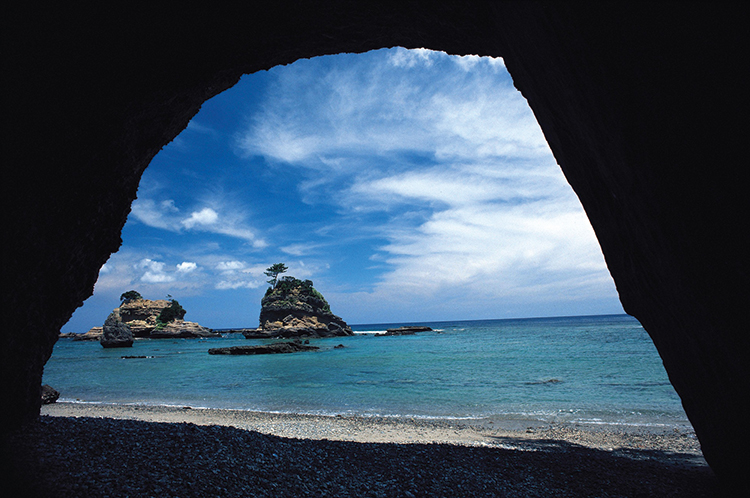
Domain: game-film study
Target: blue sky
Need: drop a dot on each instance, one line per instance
(409, 185)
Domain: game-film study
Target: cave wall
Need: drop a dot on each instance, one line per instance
(639, 103)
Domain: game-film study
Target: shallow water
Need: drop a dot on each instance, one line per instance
(600, 369)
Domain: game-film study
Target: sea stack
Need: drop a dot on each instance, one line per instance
(138, 317)
(116, 334)
(293, 308)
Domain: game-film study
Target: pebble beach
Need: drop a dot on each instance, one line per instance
(80, 449)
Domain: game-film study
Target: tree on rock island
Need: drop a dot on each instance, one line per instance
(130, 295)
(274, 271)
(173, 312)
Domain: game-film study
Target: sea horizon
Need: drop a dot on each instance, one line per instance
(428, 322)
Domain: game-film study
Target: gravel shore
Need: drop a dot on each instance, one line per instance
(125, 450)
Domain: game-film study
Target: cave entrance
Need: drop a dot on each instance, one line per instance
(411, 186)
(396, 179)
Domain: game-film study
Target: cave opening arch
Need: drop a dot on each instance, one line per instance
(400, 175)
(611, 86)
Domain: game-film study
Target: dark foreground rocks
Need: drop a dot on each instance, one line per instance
(96, 457)
(275, 348)
(49, 394)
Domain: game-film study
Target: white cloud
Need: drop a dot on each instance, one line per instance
(470, 62)
(230, 265)
(346, 119)
(186, 267)
(301, 249)
(155, 214)
(198, 127)
(238, 284)
(403, 58)
(205, 216)
(156, 278)
(155, 272)
(220, 218)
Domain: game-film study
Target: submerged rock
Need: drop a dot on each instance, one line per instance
(275, 348)
(405, 330)
(295, 309)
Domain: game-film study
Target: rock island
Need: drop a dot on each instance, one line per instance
(139, 317)
(293, 308)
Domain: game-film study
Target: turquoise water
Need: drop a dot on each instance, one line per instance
(600, 369)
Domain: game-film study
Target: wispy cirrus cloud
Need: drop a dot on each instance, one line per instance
(450, 155)
(217, 218)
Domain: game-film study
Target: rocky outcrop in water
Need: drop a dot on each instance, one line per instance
(116, 334)
(275, 348)
(94, 334)
(143, 319)
(405, 330)
(295, 309)
(49, 394)
(181, 329)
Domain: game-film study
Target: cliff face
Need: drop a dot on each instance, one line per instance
(141, 315)
(294, 308)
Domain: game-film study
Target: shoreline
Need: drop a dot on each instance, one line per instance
(507, 420)
(84, 449)
(489, 431)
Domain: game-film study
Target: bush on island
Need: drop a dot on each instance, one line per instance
(130, 295)
(170, 313)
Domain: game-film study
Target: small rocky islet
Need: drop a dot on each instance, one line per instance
(291, 309)
(294, 308)
(137, 317)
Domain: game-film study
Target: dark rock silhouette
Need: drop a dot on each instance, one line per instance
(404, 330)
(116, 334)
(275, 348)
(49, 394)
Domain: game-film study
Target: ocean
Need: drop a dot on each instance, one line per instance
(588, 369)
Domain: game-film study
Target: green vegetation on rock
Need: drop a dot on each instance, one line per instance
(294, 308)
(274, 271)
(170, 313)
(130, 295)
(289, 290)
